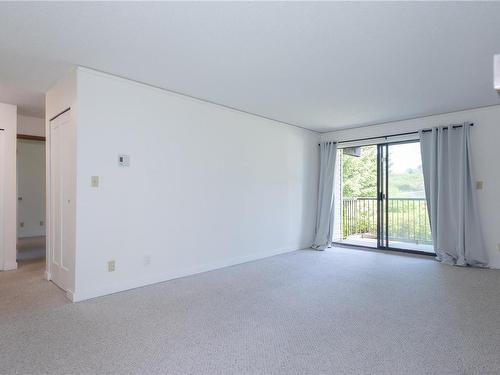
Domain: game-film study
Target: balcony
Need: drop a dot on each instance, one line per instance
(407, 223)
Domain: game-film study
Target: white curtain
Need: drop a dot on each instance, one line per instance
(324, 215)
(451, 200)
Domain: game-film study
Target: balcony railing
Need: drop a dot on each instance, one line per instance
(408, 219)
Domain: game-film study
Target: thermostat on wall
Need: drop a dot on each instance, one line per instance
(124, 160)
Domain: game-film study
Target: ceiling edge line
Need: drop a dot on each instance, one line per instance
(200, 99)
(409, 118)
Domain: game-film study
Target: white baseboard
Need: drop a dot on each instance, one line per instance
(70, 295)
(8, 266)
(78, 296)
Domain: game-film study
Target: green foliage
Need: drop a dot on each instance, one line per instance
(360, 177)
(360, 174)
(408, 219)
(409, 184)
(407, 212)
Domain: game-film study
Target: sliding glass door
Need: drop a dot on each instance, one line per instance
(407, 219)
(383, 198)
(358, 189)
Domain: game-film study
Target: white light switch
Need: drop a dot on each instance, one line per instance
(111, 266)
(479, 185)
(94, 181)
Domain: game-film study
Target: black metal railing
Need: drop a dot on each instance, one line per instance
(408, 220)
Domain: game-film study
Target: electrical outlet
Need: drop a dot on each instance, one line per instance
(111, 266)
(479, 185)
(21, 224)
(147, 260)
(94, 181)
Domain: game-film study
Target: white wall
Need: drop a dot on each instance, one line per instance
(485, 136)
(207, 186)
(31, 187)
(8, 121)
(30, 125)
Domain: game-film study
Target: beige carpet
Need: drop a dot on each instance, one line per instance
(335, 312)
(29, 248)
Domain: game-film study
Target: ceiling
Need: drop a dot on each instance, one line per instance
(321, 66)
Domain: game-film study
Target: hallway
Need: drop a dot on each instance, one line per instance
(30, 248)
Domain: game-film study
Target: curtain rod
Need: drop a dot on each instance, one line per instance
(395, 135)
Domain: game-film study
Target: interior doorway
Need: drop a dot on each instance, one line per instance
(382, 198)
(31, 232)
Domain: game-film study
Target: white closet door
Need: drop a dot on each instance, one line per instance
(62, 197)
(2, 208)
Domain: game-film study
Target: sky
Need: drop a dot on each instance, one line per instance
(404, 156)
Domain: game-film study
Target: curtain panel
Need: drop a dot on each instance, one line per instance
(325, 208)
(451, 196)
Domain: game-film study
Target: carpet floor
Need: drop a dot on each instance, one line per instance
(31, 248)
(340, 311)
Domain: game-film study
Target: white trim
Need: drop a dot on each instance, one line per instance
(496, 64)
(48, 228)
(70, 113)
(403, 126)
(8, 187)
(8, 266)
(154, 279)
(2, 199)
(70, 295)
(84, 69)
(437, 114)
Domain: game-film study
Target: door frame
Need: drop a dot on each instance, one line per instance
(27, 137)
(8, 197)
(48, 195)
(382, 195)
(2, 200)
(383, 202)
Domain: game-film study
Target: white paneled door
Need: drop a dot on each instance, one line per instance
(2, 208)
(62, 200)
